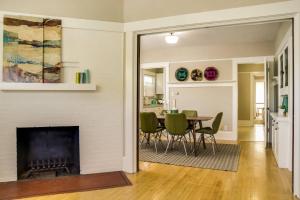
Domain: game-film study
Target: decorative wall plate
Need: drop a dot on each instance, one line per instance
(196, 75)
(211, 73)
(181, 74)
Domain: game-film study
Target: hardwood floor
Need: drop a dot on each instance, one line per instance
(254, 133)
(258, 178)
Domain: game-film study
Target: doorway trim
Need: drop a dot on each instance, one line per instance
(235, 16)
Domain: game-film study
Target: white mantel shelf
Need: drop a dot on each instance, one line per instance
(47, 87)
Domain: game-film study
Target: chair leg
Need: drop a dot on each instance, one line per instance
(172, 143)
(172, 138)
(183, 142)
(143, 138)
(159, 139)
(215, 142)
(203, 140)
(212, 144)
(155, 137)
(167, 136)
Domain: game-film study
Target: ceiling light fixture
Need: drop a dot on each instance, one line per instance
(171, 39)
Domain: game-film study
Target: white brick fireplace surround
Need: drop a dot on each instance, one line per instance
(99, 114)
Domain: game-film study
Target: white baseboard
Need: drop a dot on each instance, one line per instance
(8, 179)
(245, 123)
(128, 166)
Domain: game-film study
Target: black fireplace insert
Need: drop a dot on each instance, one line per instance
(47, 152)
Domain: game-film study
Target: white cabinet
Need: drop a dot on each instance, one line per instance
(281, 141)
(159, 83)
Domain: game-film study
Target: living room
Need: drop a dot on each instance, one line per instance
(96, 92)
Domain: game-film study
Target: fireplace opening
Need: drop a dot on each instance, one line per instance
(44, 152)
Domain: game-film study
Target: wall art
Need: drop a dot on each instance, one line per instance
(196, 75)
(31, 49)
(211, 73)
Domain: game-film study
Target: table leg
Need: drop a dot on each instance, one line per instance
(148, 139)
(194, 138)
(203, 140)
(202, 136)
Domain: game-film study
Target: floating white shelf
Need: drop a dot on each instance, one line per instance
(224, 83)
(47, 86)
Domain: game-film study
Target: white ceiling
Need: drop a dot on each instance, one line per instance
(255, 33)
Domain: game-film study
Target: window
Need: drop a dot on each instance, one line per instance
(148, 80)
(149, 85)
(260, 98)
(260, 92)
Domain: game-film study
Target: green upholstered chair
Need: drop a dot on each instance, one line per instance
(190, 113)
(211, 131)
(176, 126)
(150, 127)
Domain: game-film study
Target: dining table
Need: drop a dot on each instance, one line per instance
(192, 120)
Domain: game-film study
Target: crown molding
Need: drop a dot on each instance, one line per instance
(76, 23)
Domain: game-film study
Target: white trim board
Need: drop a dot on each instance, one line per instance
(7, 86)
(76, 22)
(202, 84)
(154, 65)
(270, 11)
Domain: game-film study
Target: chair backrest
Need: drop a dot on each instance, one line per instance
(176, 124)
(217, 121)
(190, 113)
(149, 122)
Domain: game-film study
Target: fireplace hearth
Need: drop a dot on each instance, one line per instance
(44, 152)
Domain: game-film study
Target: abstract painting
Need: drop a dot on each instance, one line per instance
(31, 49)
(52, 50)
(23, 49)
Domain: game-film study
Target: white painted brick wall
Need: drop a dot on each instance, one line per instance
(98, 113)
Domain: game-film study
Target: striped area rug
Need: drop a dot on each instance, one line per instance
(226, 158)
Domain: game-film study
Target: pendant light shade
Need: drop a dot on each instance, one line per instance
(171, 39)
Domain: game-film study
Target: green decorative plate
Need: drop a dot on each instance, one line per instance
(196, 75)
(181, 74)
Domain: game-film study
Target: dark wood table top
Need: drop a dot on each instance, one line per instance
(198, 118)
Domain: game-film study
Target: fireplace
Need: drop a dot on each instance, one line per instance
(47, 152)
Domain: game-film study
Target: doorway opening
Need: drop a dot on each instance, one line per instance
(197, 49)
(251, 101)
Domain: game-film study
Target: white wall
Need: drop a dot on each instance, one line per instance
(98, 113)
(283, 29)
(208, 101)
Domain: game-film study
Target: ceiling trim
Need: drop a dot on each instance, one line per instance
(213, 18)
